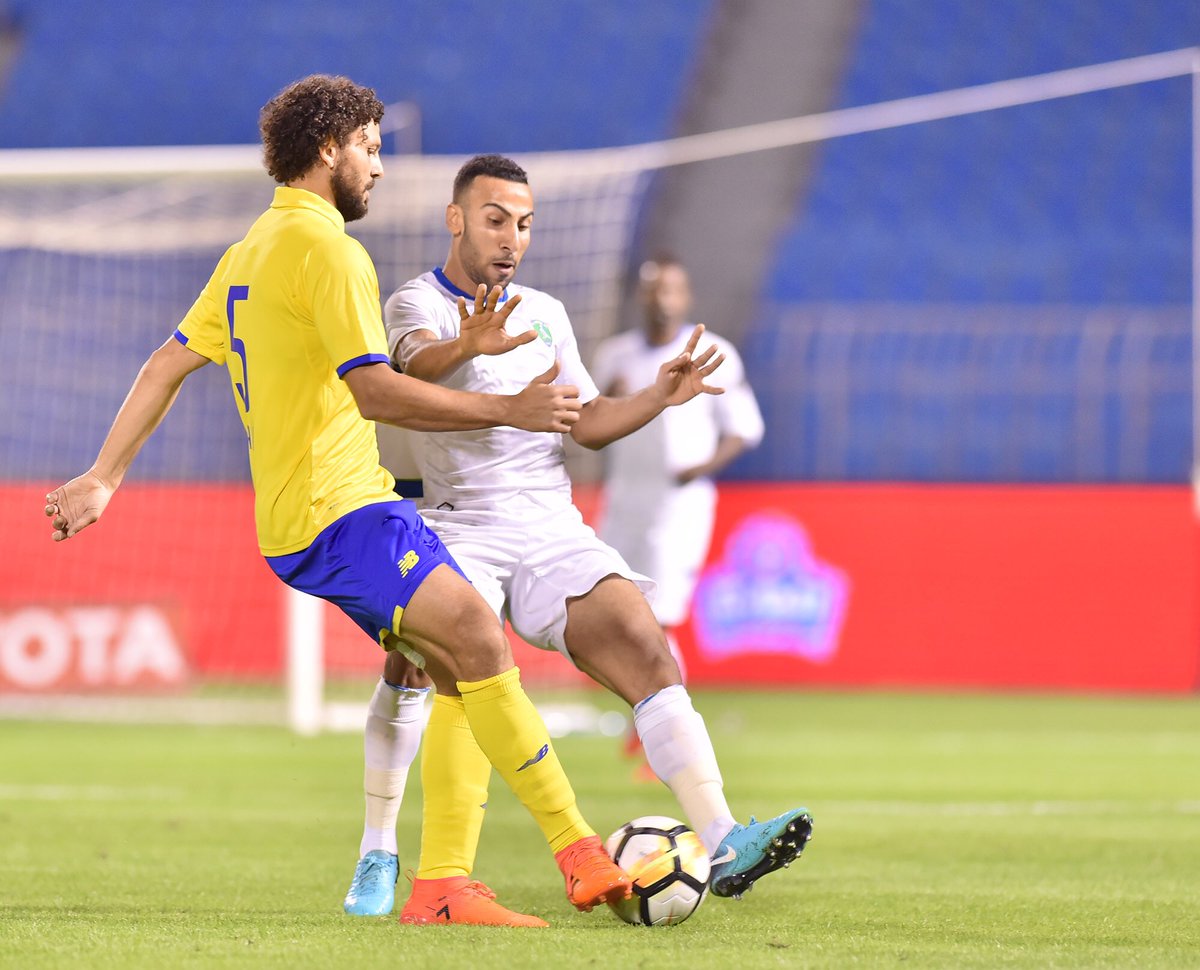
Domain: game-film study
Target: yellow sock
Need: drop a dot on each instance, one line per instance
(513, 736)
(454, 776)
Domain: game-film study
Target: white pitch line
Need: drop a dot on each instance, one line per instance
(86, 793)
(1035, 808)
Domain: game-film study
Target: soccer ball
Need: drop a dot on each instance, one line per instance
(669, 867)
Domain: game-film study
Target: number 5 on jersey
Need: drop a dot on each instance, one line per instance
(238, 347)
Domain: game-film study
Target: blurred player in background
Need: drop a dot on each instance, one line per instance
(501, 501)
(293, 311)
(659, 497)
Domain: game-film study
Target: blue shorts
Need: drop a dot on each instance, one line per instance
(369, 562)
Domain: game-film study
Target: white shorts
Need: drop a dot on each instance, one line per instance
(527, 563)
(666, 540)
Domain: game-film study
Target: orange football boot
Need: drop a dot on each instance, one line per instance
(592, 877)
(631, 747)
(458, 899)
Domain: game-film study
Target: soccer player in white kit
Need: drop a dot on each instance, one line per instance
(500, 500)
(660, 501)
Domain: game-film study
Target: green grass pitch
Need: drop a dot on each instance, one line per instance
(951, 831)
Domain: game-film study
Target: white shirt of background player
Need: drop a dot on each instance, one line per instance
(660, 500)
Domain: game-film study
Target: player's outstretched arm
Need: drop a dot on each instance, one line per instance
(383, 395)
(81, 501)
(481, 333)
(605, 419)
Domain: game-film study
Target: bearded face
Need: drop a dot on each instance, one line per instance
(351, 189)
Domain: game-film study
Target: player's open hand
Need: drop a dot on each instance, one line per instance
(681, 379)
(481, 330)
(546, 406)
(77, 504)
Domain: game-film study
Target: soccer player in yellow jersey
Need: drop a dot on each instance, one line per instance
(292, 311)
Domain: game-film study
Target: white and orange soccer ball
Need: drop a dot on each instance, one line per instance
(669, 866)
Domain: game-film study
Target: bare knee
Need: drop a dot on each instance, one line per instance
(631, 670)
(634, 623)
(452, 626)
(615, 639)
(655, 667)
(469, 618)
(399, 671)
(468, 641)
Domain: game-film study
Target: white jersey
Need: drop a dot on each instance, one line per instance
(663, 529)
(682, 437)
(490, 468)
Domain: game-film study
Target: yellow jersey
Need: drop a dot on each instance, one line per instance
(289, 310)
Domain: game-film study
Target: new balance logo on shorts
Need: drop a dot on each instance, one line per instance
(410, 559)
(542, 752)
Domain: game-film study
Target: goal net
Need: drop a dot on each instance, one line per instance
(166, 610)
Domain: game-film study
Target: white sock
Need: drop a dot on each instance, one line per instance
(395, 723)
(681, 753)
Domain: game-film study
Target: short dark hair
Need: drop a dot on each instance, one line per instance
(664, 258)
(649, 268)
(304, 115)
(493, 166)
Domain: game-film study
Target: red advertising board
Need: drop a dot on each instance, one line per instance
(962, 586)
(185, 553)
(924, 586)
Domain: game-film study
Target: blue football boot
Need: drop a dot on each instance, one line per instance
(749, 852)
(373, 889)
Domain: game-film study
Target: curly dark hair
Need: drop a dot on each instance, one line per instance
(300, 118)
(495, 166)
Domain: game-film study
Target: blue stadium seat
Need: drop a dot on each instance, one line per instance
(478, 89)
(1068, 204)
